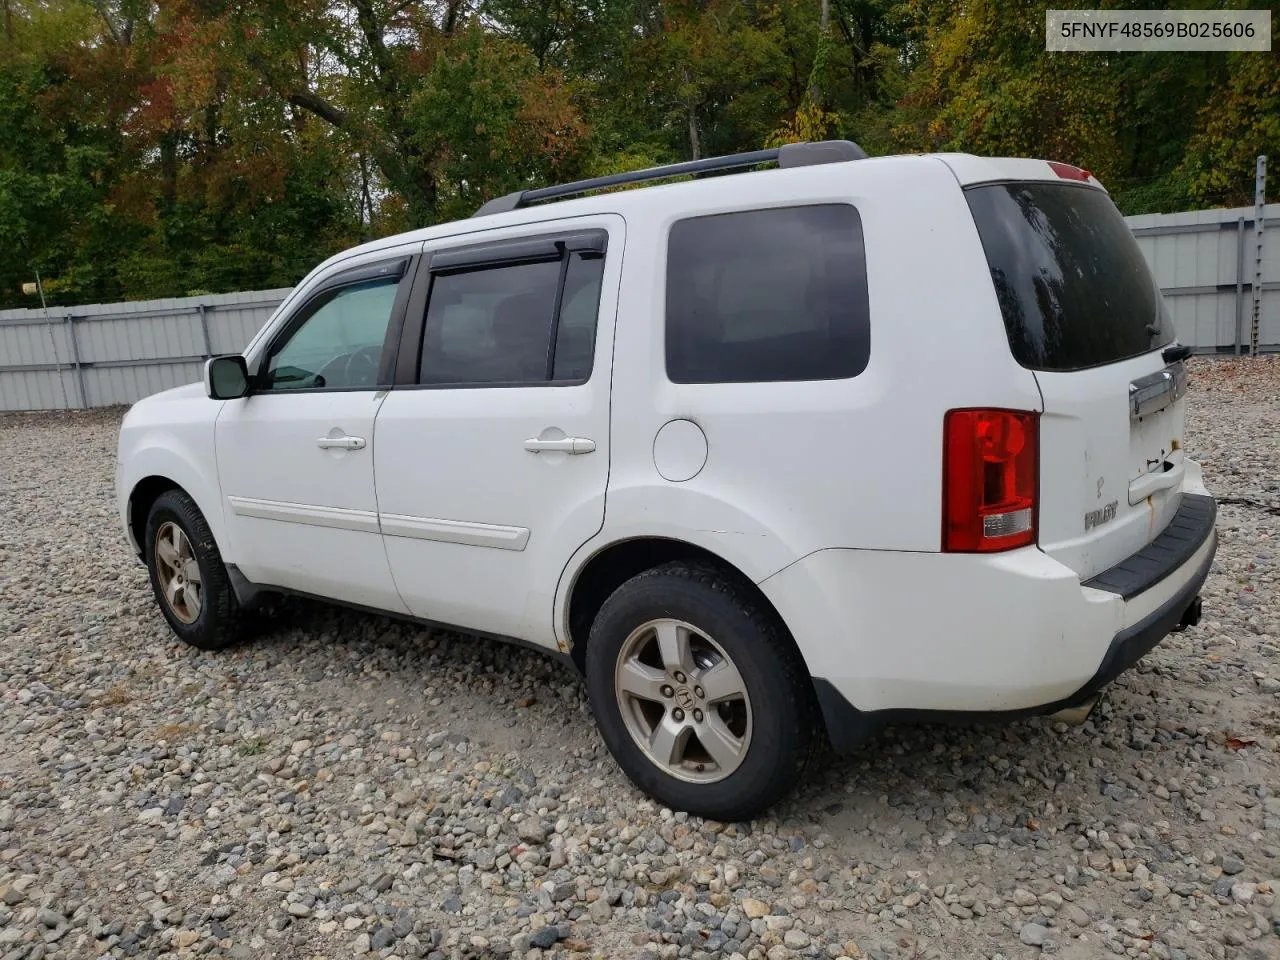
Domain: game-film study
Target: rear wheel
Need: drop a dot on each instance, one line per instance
(187, 574)
(699, 693)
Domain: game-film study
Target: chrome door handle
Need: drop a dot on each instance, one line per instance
(570, 445)
(340, 443)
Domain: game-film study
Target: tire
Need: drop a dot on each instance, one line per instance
(720, 619)
(208, 617)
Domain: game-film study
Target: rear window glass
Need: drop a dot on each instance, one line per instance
(767, 295)
(1073, 286)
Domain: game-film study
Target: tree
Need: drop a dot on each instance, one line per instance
(154, 147)
(1241, 121)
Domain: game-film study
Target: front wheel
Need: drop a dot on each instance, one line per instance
(187, 574)
(699, 693)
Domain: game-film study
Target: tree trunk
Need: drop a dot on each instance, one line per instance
(452, 14)
(824, 23)
(366, 201)
(695, 137)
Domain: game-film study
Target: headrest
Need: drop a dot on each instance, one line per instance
(521, 317)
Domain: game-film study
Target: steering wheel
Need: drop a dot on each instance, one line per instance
(356, 369)
(361, 368)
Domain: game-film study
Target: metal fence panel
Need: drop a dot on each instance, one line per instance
(233, 326)
(1204, 261)
(37, 390)
(105, 354)
(34, 342)
(1269, 329)
(1203, 318)
(108, 386)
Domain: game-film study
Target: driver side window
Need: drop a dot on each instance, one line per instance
(339, 345)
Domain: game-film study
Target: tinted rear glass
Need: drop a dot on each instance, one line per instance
(767, 295)
(1073, 286)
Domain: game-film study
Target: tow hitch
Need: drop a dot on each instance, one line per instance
(1190, 616)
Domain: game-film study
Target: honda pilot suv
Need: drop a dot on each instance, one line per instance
(767, 456)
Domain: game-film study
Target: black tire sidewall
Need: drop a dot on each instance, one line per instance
(763, 654)
(211, 629)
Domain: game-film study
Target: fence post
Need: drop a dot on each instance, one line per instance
(1259, 214)
(75, 359)
(204, 330)
(53, 342)
(1239, 284)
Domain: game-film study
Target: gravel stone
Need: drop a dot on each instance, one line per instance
(346, 784)
(1032, 934)
(532, 831)
(546, 937)
(1231, 865)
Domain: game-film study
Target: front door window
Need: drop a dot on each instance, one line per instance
(339, 344)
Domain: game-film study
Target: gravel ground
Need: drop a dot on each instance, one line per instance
(347, 785)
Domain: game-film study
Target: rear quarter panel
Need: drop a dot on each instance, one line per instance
(795, 467)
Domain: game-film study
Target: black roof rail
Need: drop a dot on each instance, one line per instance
(789, 155)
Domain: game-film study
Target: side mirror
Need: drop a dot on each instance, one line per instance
(226, 378)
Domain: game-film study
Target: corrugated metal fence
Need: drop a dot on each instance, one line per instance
(105, 354)
(1220, 273)
(1221, 280)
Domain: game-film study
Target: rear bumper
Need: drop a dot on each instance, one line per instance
(893, 638)
(847, 726)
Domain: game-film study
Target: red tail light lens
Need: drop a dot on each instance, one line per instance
(990, 474)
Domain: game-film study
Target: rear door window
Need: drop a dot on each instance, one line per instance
(514, 323)
(1074, 288)
(767, 295)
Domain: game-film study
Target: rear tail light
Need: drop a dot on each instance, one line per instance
(990, 476)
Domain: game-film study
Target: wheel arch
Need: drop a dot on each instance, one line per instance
(157, 469)
(145, 493)
(612, 564)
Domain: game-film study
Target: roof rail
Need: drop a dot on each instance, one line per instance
(789, 155)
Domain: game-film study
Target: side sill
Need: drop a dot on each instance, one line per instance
(252, 595)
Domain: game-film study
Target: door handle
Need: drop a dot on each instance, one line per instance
(570, 445)
(340, 443)
(1149, 483)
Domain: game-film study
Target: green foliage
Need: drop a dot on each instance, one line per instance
(493, 122)
(201, 145)
(1240, 122)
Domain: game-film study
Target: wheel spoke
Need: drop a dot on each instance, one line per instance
(166, 553)
(668, 741)
(718, 740)
(173, 593)
(181, 544)
(722, 681)
(191, 598)
(191, 571)
(641, 681)
(673, 642)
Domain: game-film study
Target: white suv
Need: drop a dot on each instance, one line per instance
(820, 447)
